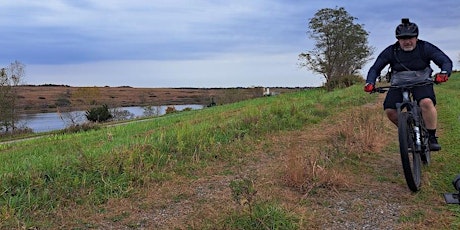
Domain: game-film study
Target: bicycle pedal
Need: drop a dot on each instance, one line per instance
(452, 198)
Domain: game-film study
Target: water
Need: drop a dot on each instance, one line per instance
(44, 122)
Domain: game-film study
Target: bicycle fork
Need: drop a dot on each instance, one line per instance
(414, 110)
(418, 143)
(417, 123)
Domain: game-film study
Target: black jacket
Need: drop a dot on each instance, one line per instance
(417, 59)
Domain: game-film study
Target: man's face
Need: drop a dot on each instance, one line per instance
(407, 43)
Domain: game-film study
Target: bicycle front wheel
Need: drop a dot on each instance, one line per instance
(410, 159)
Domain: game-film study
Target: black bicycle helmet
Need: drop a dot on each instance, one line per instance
(406, 29)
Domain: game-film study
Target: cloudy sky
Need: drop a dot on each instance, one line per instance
(195, 43)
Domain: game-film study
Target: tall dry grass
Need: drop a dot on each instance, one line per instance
(365, 131)
(346, 137)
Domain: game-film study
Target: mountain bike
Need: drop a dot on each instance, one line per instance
(412, 134)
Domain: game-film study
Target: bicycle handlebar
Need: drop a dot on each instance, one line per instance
(384, 89)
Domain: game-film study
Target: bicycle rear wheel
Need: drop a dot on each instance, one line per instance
(410, 159)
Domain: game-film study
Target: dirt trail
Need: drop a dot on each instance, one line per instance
(372, 195)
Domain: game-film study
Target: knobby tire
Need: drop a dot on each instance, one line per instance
(410, 159)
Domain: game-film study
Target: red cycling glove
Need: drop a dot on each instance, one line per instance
(441, 77)
(369, 88)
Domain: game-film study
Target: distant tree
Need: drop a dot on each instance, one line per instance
(341, 47)
(10, 77)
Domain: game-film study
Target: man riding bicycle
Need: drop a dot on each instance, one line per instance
(409, 59)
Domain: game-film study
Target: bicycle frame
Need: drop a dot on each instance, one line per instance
(410, 106)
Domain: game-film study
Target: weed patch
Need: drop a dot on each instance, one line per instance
(255, 215)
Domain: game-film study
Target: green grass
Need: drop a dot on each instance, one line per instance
(446, 168)
(88, 168)
(264, 216)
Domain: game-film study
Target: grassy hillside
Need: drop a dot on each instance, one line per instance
(71, 180)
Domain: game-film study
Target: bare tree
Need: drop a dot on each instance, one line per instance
(341, 47)
(150, 111)
(10, 77)
(17, 74)
(5, 104)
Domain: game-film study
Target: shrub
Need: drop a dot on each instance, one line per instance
(171, 109)
(75, 128)
(260, 215)
(99, 114)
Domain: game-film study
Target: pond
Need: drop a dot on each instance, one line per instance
(44, 122)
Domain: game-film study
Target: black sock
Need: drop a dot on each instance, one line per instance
(432, 132)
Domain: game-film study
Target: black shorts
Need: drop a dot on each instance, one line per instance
(419, 92)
